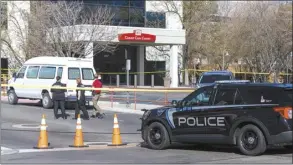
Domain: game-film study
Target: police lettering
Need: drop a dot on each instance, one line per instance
(207, 121)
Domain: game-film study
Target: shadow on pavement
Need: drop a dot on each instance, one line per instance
(216, 148)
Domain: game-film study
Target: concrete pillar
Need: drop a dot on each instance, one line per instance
(174, 66)
(140, 64)
(89, 52)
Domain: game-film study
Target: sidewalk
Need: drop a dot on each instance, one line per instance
(105, 105)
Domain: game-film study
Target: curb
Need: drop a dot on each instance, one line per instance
(106, 106)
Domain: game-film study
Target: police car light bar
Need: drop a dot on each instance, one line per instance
(233, 81)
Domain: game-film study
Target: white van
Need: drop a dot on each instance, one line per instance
(42, 71)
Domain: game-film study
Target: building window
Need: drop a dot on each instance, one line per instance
(156, 19)
(136, 17)
(137, 3)
(3, 15)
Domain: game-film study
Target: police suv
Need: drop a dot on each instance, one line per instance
(251, 116)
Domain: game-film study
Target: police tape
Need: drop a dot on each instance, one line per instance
(110, 89)
(183, 70)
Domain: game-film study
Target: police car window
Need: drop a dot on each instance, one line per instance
(87, 74)
(73, 73)
(225, 97)
(47, 72)
(238, 98)
(202, 96)
(259, 95)
(21, 72)
(32, 72)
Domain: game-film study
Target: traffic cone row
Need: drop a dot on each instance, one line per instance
(78, 138)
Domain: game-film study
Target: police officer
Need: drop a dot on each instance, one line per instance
(80, 102)
(59, 97)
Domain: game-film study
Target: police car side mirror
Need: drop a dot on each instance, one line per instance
(174, 103)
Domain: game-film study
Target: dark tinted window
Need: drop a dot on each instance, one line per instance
(32, 72)
(47, 72)
(213, 78)
(73, 73)
(238, 98)
(120, 2)
(261, 95)
(225, 96)
(138, 3)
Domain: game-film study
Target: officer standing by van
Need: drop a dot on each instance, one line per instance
(59, 97)
(80, 102)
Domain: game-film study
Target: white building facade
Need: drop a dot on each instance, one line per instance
(142, 42)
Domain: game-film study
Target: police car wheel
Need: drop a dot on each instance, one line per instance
(47, 101)
(251, 140)
(12, 98)
(157, 136)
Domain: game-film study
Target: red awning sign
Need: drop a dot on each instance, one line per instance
(137, 36)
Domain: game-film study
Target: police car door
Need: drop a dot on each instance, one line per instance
(189, 119)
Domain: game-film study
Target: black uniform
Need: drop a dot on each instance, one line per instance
(59, 99)
(80, 102)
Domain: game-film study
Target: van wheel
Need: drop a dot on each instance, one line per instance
(47, 101)
(12, 98)
(251, 140)
(157, 136)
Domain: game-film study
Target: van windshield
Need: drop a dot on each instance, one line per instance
(87, 74)
(213, 78)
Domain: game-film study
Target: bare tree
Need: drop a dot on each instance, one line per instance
(193, 16)
(58, 28)
(260, 38)
(72, 28)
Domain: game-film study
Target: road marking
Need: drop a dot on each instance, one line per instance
(91, 147)
(8, 151)
(26, 126)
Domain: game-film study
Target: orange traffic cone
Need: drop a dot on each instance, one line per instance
(43, 138)
(78, 139)
(116, 138)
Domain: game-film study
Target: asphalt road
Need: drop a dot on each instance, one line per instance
(17, 143)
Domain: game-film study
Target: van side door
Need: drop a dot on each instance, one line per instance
(31, 82)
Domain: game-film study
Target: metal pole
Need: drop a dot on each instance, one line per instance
(117, 80)
(127, 78)
(153, 80)
(135, 81)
